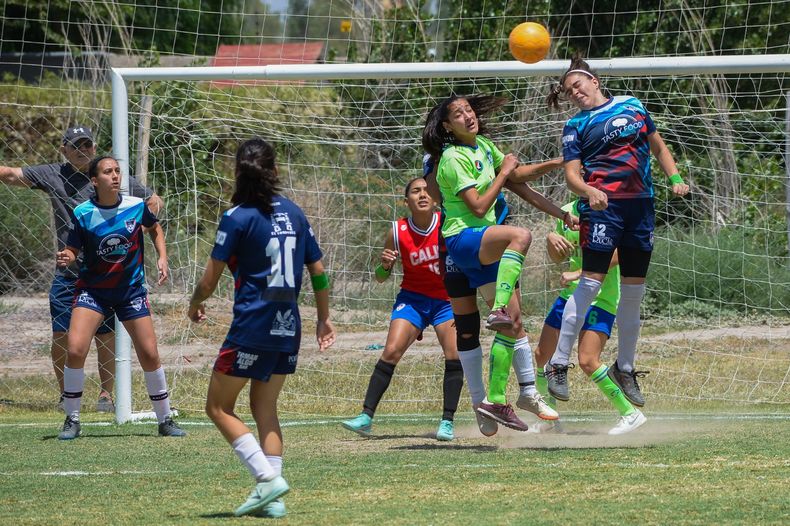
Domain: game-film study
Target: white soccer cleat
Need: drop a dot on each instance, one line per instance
(628, 423)
(486, 426)
(535, 404)
(547, 427)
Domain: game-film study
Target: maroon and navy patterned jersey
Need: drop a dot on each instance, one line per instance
(611, 143)
(111, 241)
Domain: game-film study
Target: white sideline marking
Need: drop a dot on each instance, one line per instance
(595, 417)
(82, 473)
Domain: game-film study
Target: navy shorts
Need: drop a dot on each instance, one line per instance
(464, 253)
(625, 223)
(245, 362)
(420, 310)
(597, 319)
(127, 304)
(61, 298)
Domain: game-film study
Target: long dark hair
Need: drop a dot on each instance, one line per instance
(435, 137)
(557, 90)
(256, 178)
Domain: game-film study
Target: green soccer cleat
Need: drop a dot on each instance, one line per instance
(274, 510)
(360, 425)
(71, 429)
(446, 431)
(262, 494)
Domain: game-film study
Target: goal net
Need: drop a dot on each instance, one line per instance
(717, 310)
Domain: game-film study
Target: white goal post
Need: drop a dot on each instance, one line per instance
(647, 66)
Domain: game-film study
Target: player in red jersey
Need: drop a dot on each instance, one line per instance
(422, 301)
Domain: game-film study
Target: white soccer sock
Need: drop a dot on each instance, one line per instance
(572, 322)
(73, 384)
(251, 455)
(628, 324)
(276, 462)
(157, 391)
(523, 366)
(472, 364)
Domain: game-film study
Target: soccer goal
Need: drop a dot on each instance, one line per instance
(348, 139)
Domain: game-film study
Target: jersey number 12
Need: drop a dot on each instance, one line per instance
(282, 264)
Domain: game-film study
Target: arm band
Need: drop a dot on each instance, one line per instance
(320, 282)
(382, 273)
(675, 179)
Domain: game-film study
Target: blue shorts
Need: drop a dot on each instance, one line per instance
(597, 319)
(127, 304)
(627, 223)
(245, 362)
(420, 310)
(61, 298)
(464, 251)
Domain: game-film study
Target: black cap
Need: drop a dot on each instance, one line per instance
(76, 133)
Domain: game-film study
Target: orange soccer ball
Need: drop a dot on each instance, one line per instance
(529, 42)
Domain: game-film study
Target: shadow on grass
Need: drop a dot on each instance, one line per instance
(219, 515)
(445, 446)
(82, 437)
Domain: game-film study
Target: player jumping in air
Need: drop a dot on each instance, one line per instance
(606, 151)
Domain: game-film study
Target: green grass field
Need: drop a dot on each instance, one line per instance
(680, 469)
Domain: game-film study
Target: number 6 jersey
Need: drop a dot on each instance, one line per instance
(266, 254)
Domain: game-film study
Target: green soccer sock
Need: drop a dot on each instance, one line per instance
(543, 388)
(507, 276)
(499, 368)
(611, 391)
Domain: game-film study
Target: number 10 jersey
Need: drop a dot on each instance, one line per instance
(266, 254)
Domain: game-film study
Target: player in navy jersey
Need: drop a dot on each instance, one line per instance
(606, 150)
(462, 288)
(422, 301)
(108, 230)
(265, 241)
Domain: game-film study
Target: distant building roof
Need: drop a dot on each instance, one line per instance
(266, 54)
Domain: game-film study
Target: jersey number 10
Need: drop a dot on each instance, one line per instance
(282, 264)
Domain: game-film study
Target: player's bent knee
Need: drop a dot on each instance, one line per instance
(467, 328)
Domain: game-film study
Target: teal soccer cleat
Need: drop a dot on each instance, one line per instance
(446, 431)
(262, 494)
(360, 425)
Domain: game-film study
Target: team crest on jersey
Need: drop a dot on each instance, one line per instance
(621, 130)
(284, 324)
(130, 224)
(281, 224)
(114, 248)
(479, 165)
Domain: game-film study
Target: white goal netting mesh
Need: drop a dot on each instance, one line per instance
(718, 304)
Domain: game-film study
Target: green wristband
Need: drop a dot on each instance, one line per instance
(320, 282)
(675, 179)
(382, 273)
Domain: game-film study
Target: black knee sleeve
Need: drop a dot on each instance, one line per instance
(467, 330)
